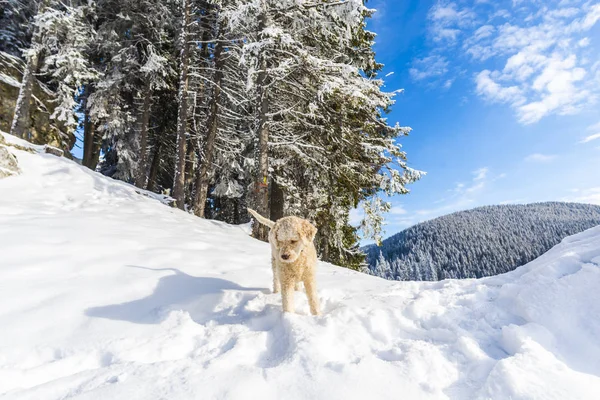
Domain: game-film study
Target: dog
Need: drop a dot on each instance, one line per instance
(293, 259)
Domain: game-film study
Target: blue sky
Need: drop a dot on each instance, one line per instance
(503, 99)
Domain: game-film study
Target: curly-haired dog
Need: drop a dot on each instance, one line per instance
(293, 258)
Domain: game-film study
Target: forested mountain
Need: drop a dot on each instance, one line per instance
(223, 104)
(481, 242)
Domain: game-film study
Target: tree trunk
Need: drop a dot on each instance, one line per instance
(154, 167)
(261, 183)
(236, 211)
(179, 178)
(190, 166)
(141, 173)
(89, 130)
(203, 179)
(96, 146)
(21, 120)
(89, 142)
(276, 201)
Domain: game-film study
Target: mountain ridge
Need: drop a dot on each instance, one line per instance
(483, 241)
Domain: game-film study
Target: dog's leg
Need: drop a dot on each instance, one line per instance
(287, 294)
(311, 293)
(276, 282)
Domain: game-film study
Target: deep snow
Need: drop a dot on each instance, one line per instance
(107, 294)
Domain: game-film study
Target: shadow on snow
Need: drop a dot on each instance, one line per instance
(199, 296)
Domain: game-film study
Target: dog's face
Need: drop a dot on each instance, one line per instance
(291, 236)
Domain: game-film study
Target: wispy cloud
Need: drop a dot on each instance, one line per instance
(463, 195)
(589, 196)
(541, 158)
(480, 174)
(544, 72)
(513, 201)
(428, 67)
(488, 88)
(397, 210)
(595, 135)
(448, 21)
(590, 138)
(547, 63)
(448, 83)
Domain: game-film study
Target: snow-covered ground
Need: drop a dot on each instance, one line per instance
(107, 294)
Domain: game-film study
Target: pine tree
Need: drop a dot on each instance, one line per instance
(269, 103)
(481, 242)
(135, 62)
(182, 116)
(20, 122)
(16, 17)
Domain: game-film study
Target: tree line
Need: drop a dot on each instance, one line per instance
(481, 242)
(223, 104)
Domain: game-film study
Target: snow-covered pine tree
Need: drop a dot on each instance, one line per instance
(32, 55)
(328, 148)
(16, 26)
(225, 136)
(187, 9)
(66, 35)
(58, 55)
(481, 242)
(272, 103)
(262, 54)
(132, 54)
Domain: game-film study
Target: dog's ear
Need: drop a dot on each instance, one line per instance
(308, 231)
(273, 235)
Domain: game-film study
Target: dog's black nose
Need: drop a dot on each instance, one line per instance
(285, 256)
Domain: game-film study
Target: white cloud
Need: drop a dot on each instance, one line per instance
(558, 89)
(589, 196)
(590, 138)
(514, 201)
(547, 64)
(397, 210)
(448, 21)
(481, 173)
(484, 32)
(428, 67)
(463, 195)
(492, 91)
(596, 135)
(541, 62)
(584, 42)
(537, 157)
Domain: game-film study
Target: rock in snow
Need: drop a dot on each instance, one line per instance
(8, 162)
(106, 294)
(53, 150)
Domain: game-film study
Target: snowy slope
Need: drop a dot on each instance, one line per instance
(106, 294)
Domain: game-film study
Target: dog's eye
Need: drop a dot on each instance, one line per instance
(294, 241)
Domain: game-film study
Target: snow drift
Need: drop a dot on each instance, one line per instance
(107, 294)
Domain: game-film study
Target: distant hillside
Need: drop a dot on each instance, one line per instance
(481, 242)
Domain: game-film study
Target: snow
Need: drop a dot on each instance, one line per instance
(106, 294)
(9, 80)
(15, 141)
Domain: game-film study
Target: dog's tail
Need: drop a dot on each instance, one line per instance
(261, 219)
